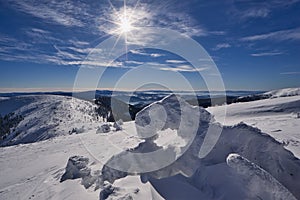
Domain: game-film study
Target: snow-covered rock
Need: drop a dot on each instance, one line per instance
(104, 128)
(107, 189)
(118, 125)
(110, 192)
(77, 167)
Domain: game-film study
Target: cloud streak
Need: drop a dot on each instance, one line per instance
(182, 68)
(256, 13)
(176, 61)
(267, 54)
(58, 12)
(245, 10)
(139, 52)
(222, 46)
(282, 35)
(290, 73)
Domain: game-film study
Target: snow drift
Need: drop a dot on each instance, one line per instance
(214, 176)
(255, 177)
(279, 117)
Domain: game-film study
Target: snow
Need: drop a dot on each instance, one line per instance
(245, 163)
(4, 98)
(254, 177)
(35, 170)
(194, 177)
(276, 117)
(47, 116)
(283, 92)
(104, 128)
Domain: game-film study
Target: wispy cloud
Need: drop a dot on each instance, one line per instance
(245, 10)
(290, 34)
(221, 46)
(267, 54)
(67, 55)
(96, 64)
(182, 68)
(290, 73)
(176, 67)
(5, 39)
(139, 52)
(134, 62)
(154, 15)
(49, 46)
(256, 13)
(66, 13)
(217, 33)
(176, 61)
(42, 46)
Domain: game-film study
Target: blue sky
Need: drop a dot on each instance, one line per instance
(254, 44)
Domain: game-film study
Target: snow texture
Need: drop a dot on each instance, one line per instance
(47, 116)
(287, 92)
(246, 163)
(190, 177)
(255, 177)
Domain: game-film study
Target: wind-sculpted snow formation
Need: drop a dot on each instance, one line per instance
(255, 177)
(262, 159)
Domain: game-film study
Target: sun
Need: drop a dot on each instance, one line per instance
(125, 25)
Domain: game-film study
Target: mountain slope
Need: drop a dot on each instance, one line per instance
(46, 116)
(287, 92)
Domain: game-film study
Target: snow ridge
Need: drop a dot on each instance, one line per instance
(46, 116)
(255, 177)
(287, 92)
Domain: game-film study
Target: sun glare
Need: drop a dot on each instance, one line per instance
(125, 24)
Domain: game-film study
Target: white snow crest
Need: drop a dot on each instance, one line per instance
(255, 177)
(283, 92)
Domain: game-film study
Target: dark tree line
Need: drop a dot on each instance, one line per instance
(120, 110)
(7, 122)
